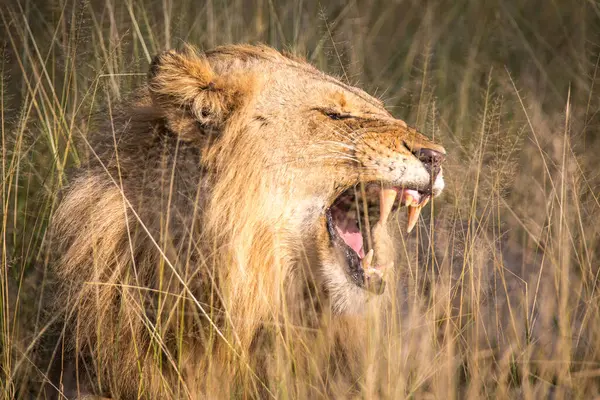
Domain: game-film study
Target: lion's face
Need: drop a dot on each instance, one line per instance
(334, 164)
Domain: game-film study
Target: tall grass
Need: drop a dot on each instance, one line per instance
(497, 289)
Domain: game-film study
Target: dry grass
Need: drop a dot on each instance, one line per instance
(497, 296)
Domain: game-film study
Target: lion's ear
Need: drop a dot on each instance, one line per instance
(191, 95)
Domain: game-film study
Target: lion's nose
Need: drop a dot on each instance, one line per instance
(429, 156)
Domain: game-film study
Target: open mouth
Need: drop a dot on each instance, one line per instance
(356, 215)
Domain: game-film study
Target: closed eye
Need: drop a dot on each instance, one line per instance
(337, 116)
(334, 114)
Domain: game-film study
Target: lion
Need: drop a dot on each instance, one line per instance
(240, 199)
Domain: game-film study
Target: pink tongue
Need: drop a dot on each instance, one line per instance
(352, 236)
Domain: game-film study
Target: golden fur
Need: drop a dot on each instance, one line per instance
(195, 239)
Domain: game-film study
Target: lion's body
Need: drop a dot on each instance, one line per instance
(194, 240)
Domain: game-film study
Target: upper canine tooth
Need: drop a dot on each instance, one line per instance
(386, 202)
(412, 217)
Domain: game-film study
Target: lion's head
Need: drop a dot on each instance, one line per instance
(324, 153)
(246, 170)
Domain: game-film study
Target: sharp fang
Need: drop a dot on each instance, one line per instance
(413, 217)
(366, 262)
(386, 202)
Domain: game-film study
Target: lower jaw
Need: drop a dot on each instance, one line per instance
(348, 299)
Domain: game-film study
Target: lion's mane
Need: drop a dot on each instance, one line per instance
(171, 260)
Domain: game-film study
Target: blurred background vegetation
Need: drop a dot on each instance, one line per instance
(509, 87)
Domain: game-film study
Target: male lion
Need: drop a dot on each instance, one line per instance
(240, 200)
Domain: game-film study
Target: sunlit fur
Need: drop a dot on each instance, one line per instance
(195, 239)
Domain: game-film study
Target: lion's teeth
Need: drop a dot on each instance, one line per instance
(413, 216)
(366, 262)
(408, 200)
(386, 202)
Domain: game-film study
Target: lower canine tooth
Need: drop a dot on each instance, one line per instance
(413, 216)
